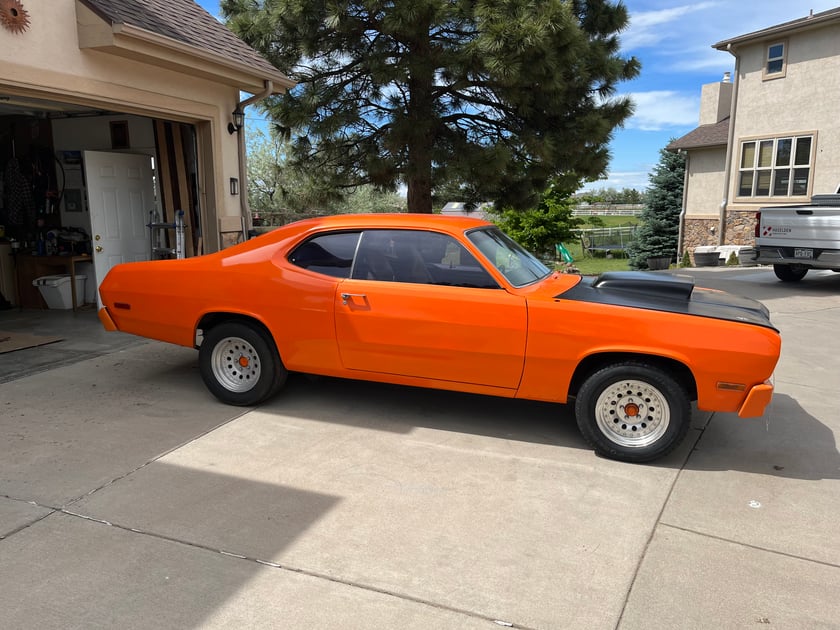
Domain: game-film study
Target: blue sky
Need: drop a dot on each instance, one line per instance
(673, 42)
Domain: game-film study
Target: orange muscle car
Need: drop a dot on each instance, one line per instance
(453, 303)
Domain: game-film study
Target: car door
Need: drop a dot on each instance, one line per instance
(418, 304)
(307, 316)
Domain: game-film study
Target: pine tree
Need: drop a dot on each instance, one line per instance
(500, 96)
(660, 220)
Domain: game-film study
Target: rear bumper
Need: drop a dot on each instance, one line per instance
(105, 318)
(822, 258)
(757, 400)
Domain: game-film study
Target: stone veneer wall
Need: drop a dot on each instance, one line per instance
(740, 230)
(699, 232)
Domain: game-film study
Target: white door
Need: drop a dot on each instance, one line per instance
(121, 195)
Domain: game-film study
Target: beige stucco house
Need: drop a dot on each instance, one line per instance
(110, 111)
(771, 136)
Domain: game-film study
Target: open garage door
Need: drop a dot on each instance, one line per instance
(48, 211)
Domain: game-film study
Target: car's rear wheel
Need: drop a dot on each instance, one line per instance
(632, 411)
(239, 364)
(790, 273)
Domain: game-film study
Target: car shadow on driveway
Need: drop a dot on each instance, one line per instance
(401, 409)
(786, 442)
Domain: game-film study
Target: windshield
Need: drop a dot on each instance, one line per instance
(516, 264)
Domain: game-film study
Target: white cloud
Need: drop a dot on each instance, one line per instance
(680, 37)
(661, 109)
(703, 59)
(647, 28)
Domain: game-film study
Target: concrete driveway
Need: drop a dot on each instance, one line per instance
(129, 498)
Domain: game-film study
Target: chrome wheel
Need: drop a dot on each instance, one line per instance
(632, 413)
(240, 364)
(236, 364)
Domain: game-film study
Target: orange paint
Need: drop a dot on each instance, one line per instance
(508, 341)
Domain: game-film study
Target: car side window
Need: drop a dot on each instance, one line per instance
(329, 254)
(419, 257)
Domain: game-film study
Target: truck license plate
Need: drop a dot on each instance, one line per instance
(803, 253)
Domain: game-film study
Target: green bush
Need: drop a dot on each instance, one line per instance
(540, 229)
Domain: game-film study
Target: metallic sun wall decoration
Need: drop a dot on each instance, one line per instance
(13, 16)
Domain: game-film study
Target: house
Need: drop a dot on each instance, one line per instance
(770, 137)
(116, 115)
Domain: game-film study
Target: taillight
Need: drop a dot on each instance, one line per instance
(757, 223)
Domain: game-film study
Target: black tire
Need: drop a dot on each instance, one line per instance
(790, 273)
(632, 412)
(240, 364)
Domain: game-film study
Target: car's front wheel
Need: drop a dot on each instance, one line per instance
(239, 364)
(632, 411)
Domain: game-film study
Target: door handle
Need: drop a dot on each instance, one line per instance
(345, 297)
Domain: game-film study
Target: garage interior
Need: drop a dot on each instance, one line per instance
(45, 209)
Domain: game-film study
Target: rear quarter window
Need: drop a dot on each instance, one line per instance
(328, 254)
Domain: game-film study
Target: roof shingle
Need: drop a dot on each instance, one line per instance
(704, 136)
(183, 21)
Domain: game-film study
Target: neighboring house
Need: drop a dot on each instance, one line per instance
(770, 138)
(111, 110)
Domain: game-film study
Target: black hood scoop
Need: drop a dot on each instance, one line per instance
(648, 284)
(664, 292)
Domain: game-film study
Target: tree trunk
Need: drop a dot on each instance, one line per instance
(421, 125)
(420, 192)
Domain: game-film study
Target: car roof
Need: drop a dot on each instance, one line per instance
(396, 220)
(294, 230)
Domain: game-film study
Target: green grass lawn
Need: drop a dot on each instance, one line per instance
(592, 266)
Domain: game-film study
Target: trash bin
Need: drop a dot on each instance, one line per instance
(58, 292)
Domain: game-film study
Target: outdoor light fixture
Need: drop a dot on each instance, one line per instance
(238, 120)
(234, 186)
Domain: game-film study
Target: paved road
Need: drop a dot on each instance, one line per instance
(131, 499)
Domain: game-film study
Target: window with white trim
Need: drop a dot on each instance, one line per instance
(775, 167)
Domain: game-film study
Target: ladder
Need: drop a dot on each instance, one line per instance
(158, 246)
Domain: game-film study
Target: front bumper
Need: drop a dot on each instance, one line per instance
(105, 318)
(757, 400)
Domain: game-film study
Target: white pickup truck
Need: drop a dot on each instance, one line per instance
(795, 239)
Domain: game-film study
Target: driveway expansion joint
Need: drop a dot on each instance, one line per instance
(25, 526)
(306, 572)
(739, 543)
(154, 459)
(700, 432)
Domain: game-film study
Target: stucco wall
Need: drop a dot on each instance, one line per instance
(46, 62)
(704, 192)
(715, 102)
